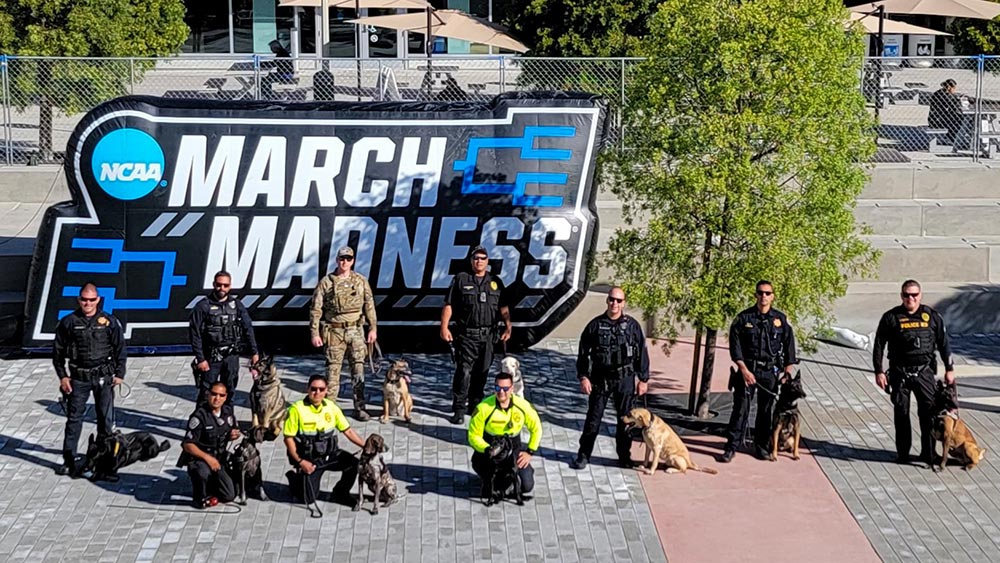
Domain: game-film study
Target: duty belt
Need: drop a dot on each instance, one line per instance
(344, 324)
(762, 364)
(481, 330)
(86, 374)
(223, 352)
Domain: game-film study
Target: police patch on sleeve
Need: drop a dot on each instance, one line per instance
(193, 423)
(103, 321)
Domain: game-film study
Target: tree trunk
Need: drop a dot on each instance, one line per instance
(705, 393)
(694, 372)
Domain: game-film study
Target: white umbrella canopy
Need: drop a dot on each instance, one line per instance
(386, 4)
(448, 23)
(890, 27)
(975, 9)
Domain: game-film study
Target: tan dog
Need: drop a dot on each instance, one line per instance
(396, 391)
(662, 443)
(956, 439)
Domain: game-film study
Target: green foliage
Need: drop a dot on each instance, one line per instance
(974, 37)
(83, 28)
(574, 28)
(745, 128)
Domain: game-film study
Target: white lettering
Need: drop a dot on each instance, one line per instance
(307, 172)
(410, 169)
(190, 171)
(129, 171)
(412, 257)
(554, 255)
(447, 250)
(354, 188)
(302, 241)
(510, 256)
(266, 175)
(224, 251)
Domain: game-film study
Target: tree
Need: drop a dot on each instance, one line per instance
(580, 28)
(746, 138)
(975, 37)
(84, 28)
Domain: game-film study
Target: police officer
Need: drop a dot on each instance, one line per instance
(504, 414)
(475, 300)
(335, 320)
(311, 439)
(210, 428)
(219, 328)
(913, 331)
(762, 345)
(612, 355)
(92, 341)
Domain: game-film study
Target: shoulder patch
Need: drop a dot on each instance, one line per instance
(103, 321)
(232, 304)
(925, 316)
(193, 423)
(493, 285)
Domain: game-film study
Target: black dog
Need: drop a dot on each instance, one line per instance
(243, 464)
(106, 456)
(503, 453)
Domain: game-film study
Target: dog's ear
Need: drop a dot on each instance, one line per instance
(798, 376)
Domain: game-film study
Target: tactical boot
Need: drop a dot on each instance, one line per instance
(359, 402)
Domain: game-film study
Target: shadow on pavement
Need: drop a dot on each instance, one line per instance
(124, 419)
(26, 451)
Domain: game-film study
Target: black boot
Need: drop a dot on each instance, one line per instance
(359, 402)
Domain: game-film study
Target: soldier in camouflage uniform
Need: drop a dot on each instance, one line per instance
(335, 322)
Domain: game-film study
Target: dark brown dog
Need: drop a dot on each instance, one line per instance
(267, 401)
(373, 472)
(955, 437)
(786, 423)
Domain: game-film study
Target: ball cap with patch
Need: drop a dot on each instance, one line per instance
(479, 250)
(345, 251)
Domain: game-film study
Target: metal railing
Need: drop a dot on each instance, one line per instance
(44, 98)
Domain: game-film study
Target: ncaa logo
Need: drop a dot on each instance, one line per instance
(127, 163)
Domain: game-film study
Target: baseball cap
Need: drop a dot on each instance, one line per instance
(345, 251)
(478, 250)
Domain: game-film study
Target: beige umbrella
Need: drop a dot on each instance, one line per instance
(448, 23)
(870, 23)
(976, 9)
(386, 4)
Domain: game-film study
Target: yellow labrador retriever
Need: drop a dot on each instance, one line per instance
(662, 443)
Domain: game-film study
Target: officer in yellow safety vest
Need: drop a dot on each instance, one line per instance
(503, 415)
(311, 438)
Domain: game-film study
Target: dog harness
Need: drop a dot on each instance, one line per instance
(491, 420)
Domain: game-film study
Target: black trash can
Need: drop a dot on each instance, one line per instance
(323, 88)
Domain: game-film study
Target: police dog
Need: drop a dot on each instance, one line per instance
(396, 399)
(662, 443)
(107, 455)
(503, 453)
(956, 439)
(243, 464)
(267, 401)
(373, 472)
(512, 367)
(786, 423)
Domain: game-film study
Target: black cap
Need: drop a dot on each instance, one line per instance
(479, 250)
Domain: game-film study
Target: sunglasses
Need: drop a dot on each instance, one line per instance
(910, 295)
(317, 389)
(89, 299)
(346, 258)
(217, 394)
(222, 285)
(615, 300)
(479, 258)
(765, 293)
(504, 388)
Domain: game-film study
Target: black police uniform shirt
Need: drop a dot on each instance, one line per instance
(209, 432)
(198, 329)
(912, 338)
(608, 344)
(89, 342)
(762, 337)
(475, 301)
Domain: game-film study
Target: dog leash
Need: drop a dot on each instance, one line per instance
(372, 349)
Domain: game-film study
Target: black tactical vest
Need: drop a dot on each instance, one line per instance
(90, 341)
(613, 349)
(222, 324)
(213, 436)
(914, 345)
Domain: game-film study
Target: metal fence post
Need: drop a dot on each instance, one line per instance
(131, 75)
(7, 128)
(977, 119)
(256, 78)
(621, 110)
(503, 74)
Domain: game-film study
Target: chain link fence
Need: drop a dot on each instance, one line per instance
(921, 116)
(44, 98)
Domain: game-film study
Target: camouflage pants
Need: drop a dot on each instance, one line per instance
(350, 342)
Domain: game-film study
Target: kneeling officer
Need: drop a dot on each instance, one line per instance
(210, 428)
(504, 414)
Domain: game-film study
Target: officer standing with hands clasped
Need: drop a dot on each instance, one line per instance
(912, 332)
(219, 327)
(94, 344)
(762, 345)
(341, 304)
(475, 300)
(612, 355)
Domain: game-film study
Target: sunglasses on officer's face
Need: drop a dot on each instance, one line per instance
(911, 295)
(317, 389)
(765, 293)
(89, 299)
(217, 394)
(504, 388)
(615, 300)
(345, 258)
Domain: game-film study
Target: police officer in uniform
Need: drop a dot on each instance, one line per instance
(219, 328)
(311, 439)
(93, 342)
(475, 300)
(335, 321)
(762, 345)
(210, 428)
(612, 355)
(912, 331)
(504, 414)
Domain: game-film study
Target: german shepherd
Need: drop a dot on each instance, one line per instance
(267, 401)
(786, 423)
(243, 464)
(955, 437)
(106, 456)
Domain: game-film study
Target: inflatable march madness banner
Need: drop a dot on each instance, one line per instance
(167, 192)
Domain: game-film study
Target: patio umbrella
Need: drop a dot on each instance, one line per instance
(975, 9)
(448, 23)
(386, 4)
(870, 23)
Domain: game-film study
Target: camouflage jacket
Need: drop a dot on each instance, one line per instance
(341, 300)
